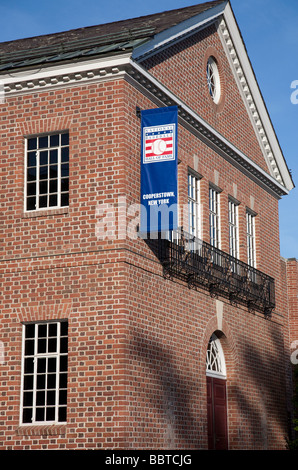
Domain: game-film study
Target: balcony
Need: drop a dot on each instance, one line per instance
(202, 265)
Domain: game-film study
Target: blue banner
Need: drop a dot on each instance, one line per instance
(159, 170)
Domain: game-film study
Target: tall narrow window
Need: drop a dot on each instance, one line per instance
(44, 373)
(214, 218)
(233, 229)
(47, 171)
(251, 239)
(194, 205)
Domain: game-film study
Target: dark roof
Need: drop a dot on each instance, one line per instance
(93, 40)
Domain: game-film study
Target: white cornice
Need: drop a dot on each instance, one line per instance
(64, 75)
(250, 92)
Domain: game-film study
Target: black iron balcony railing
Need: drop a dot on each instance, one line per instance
(202, 265)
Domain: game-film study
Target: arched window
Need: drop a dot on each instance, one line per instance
(215, 360)
(213, 80)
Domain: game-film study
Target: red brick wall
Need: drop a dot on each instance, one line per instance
(292, 285)
(137, 342)
(187, 61)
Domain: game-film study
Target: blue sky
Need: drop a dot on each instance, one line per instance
(269, 29)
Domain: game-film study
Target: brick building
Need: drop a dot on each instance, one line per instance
(110, 339)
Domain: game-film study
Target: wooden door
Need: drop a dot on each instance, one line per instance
(217, 414)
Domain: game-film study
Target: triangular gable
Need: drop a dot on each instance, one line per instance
(234, 47)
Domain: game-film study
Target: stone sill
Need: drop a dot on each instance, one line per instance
(43, 430)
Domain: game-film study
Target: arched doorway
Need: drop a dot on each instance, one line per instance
(216, 396)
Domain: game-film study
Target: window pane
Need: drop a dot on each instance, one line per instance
(27, 415)
(62, 414)
(43, 172)
(43, 187)
(65, 139)
(54, 140)
(43, 201)
(31, 159)
(43, 158)
(50, 414)
(29, 365)
(28, 399)
(51, 397)
(52, 345)
(42, 344)
(40, 398)
(43, 142)
(51, 381)
(54, 156)
(65, 154)
(63, 363)
(31, 174)
(62, 397)
(65, 170)
(31, 204)
(30, 330)
(32, 144)
(64, 184)
(41, 382)
(64, 200)
(53, 329)
(64, 328)
(41, 365)
(31, 189)
(39, 414)
(52, 364)
(28, 382)
(29, 347)
(63, 345)
(53, 201)
(53, 186)
(53, 171)
(63, 381)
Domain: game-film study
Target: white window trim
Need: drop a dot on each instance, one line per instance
(56, 354)
(194, 228)
(219, 358)
(233, 228)
(213, 76)
(47, 208)
(216, 216)
(251, 238)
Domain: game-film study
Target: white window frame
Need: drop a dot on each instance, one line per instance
(215, 359)
(214, 217)
(233, 229)
(38, 180)
(194, 215)
(251, 239)
(33, 375)
(213, 80)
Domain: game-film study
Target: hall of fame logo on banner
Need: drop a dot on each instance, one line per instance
(159, 143)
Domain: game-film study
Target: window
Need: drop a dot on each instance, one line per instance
(47, 171)
(213, 80)
(214, 218)
(233, 229)
(215, 360)
(251, 240)
(44, 373)
(194, 205)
